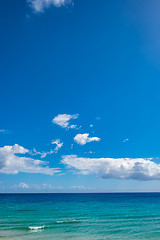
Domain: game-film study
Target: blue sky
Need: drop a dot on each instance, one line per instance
(79, 96)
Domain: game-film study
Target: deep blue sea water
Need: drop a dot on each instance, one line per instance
(80, 216)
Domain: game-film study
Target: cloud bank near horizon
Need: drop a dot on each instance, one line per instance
(119, 168)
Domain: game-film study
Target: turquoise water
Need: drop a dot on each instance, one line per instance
(80, 216)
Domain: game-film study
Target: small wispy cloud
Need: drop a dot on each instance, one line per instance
(4, 131)
(98, 118)
(22, 185)
(126, 140)
(63, 120)
(42, 154)
(78, 187)
(35, 187)
(58, 144)
(72, 146)
(40, 5)
(84, 138)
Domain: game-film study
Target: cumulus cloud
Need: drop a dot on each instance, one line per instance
(13, 161)
(120, 168)
(58, 144)
(41, 5)
(82, 139)
(63, 120)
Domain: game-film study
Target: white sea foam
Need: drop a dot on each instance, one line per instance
(67, 221)
(36, 228)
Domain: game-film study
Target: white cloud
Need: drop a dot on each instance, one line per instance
(41, 5)
(43, 154)
(22, 185)
(121, 168)
(91, 152)
(46, 186)
(12, 163)
(82, 139)
(72, 146)
(58, 143)
(91, 125)
(36, 187)
(78, 187)
(63, 120)
(125, 140)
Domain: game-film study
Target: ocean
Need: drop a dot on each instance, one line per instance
(80, 216)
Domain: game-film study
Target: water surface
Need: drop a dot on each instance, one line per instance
(80, 216)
